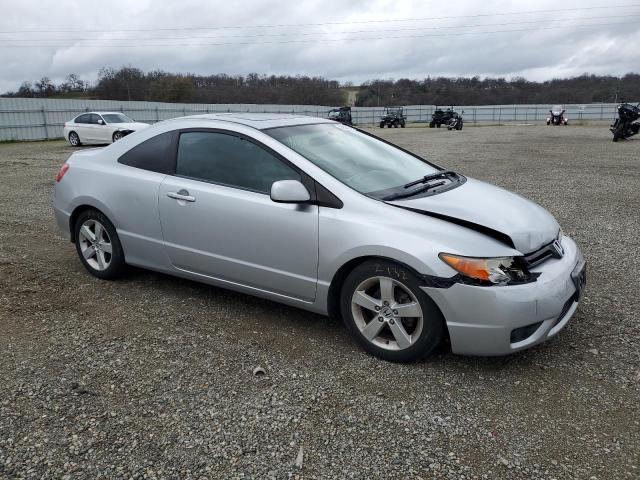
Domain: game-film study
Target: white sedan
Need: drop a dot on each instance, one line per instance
(100, 128)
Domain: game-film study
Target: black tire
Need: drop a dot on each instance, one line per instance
(459, 126)
(431, 124)
(402, 125)
(381, 124)
(117, 265)
(438, 125)
(618, 131)
(433, 324)
(116, 136)
(74, 139)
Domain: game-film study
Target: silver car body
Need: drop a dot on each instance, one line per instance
(99, 133)
(296, 254)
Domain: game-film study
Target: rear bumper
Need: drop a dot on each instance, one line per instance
(481, 320)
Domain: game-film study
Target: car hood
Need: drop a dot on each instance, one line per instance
(131, 126)
(487, 208)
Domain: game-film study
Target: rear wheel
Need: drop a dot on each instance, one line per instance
(381, 124)
(388, 314)
(431, 124)
(98, 245)
(74, 139)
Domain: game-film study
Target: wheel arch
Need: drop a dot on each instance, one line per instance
(77, 211)
(335, 286)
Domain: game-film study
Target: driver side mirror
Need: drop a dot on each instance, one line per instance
(100, 122)
(289, 191)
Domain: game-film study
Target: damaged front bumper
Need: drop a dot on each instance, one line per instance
(499, 320)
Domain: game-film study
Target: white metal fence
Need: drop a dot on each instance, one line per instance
(38, 118)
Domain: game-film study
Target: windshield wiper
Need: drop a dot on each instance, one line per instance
(432, 176)
(411, 193)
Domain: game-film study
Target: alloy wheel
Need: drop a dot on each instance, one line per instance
(387, 313)
(95, 245)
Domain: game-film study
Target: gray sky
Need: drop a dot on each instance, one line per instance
(540, 46)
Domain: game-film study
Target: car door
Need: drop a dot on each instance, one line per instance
(82, 126)
(96, 129)
(218, 219)
(102, 130)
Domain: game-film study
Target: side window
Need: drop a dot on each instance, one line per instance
(230, 160)
(86, 118)
(154, 154)
(94, 118)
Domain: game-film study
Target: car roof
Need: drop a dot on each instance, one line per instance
(101, 113)
(260, 121)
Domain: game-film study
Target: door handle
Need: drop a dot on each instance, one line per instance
(181, 195)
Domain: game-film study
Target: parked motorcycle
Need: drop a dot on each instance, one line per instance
(557, 116)
(455, 122)
(627, 124)
(342, 115)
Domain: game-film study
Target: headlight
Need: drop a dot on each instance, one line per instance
(489, 271)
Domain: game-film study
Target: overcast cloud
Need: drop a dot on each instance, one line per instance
(554, 44)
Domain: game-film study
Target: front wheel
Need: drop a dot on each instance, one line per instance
(388, 314)
(117, 136)
(98, 245)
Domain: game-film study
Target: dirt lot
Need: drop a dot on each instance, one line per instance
(151, 376)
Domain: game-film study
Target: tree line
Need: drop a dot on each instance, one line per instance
(499, 91)
(129, 83)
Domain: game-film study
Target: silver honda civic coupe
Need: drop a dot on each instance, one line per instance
(331, 219)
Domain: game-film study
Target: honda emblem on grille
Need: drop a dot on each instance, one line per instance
(559, 251)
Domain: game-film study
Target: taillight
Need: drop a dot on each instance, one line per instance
(62, 171)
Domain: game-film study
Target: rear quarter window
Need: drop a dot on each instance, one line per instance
(154, 154)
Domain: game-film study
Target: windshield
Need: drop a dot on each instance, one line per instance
(116, 118)
(360, 161)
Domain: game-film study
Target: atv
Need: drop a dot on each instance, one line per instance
(441, 117)
(393, 117)
(342, 115)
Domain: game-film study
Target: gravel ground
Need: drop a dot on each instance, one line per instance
(151, 376)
